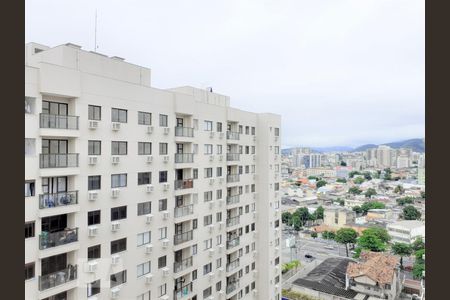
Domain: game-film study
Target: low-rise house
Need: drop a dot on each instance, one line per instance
(377, 214)
(406, 231)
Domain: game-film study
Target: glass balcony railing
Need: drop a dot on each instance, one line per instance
(233, 199)
(58, 121)
(233, 243)
(182, 265)
(183, 237)
(58, 199)
(182, 211)
(184, 131)
(184, 158)
(54, 239)
(232, 285)
(59, 160)
(184, 291)
(233, 178)
(57, 278)
(233, 156)
(184, 184)
(233, 265)
(232, 221)
(231, 135)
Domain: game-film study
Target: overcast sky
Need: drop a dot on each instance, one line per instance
(340, 72)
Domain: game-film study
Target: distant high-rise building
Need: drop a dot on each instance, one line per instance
(384, 156)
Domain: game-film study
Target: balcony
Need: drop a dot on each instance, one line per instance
(184, 184)
(58, 199)
(182, 211)
(233, 199)
(231, 135)
(233, 243)
(232, 286)
(59, 160)
(232, 265)
(184, 131)
(232, 221)
(233, 156)
(182, 265)
(183, 237)
(58, 121)
(181, 158)
(233, 178)
(184, 291)
(54, 239)
(57, 278)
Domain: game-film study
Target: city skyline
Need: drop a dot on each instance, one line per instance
(341, 86)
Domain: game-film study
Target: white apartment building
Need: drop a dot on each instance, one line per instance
(406, 231)
(135, 192)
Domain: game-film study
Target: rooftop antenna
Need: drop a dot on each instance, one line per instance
(95, 32)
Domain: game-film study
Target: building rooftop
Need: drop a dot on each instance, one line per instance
(377, 266)
(410, 224)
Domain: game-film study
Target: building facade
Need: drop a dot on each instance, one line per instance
(134, 192)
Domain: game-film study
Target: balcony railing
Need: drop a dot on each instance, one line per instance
(182, 211)
(58, 121)
(57, 278)
(233, 221)
(233, 156)
(232, 199)
(58, 199)
(233, 243)
(184, 158)
(231, 135)
(183, 291)
(184, 131)
(54, 239)
(59, 160)
(182, 265)
(184, 184)
(232, 286)
(183, 237)
(233, 178)
(232, 265)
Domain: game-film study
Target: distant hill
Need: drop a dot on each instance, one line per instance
(364, 147)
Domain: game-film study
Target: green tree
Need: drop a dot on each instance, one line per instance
(296, 222)
(341, 180)
(381, 233)
(354, 190)
(411, 213)
(372, 205)
(357, 252)
(370, 192)
(399, 189)
(358, 180)
(313, 177)
(419, 264)
(321, 183)
(343, 163)
(346, 236)
(353, 173)
(387, 174)
(319, 213)
(374, 239)
(303, 214)
(328, 235)
(357, 209)
(286, 217)
(401, 249)
(418, 244)
(340, 201)
(314, 235)
(405, 200)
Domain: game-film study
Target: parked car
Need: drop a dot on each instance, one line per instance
(308, 256)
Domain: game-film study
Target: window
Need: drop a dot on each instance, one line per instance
(118, 278)
(119, 148)
(240, 129)
(253, 169)
(118, 213)
(247, 149)
(94, 217)
(162, 204)
(195, 173)
(253, 187)
(118, 180)
(162, 233)
(29, 105)
(240, 149)
(218, 286)
(240, 170)
(219, 149)
(144, 238)
(144, 118)
(94, 182)
(195, 148)
(253, 149)
(208, 172)
(94, 112)
(207, 292)
(144, 178)
(247, 130)
(94, 147)
(144, 148)
(29, 229)
(277, 261)
(277, 131)
(29, 271)
(162, 262)
(218, 239)
(93, 288)
(144, 208)
(219, 171)
(118, 245)
(219, 194)
(247, 169)
(277, 150)
(247, 209)
(143, 269)
(163, 120)
(144, 296)
(118, 115)
(208, 125)
(208, 149)
(219, 126)
(253, 130)
(30, 147)
(219, 217)
(277, 186)
(194, 223)
(207, 220)
(207, 268)
(162, 290)
(163, 148)
(94, 252)
(29, 188)
(207, 244)
(207, 196)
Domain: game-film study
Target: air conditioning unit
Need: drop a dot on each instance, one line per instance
(254, 157)
(255, 233)
(149, 159)
(115, 126)
(255, 214)
(115, 259)
(211, 204)
(211, 275)
(220, 270)
(255, 273)
(211, 181)
(254, 138)
(149, 188)
(93, 160)
(221, 247)
(276, 194)
(277, 286)
(211, 158)
(115, 226)
(166, 130)
(221, 224)
(165, 297)
(92, 231)
(276, 157)
(148, 248)
(149, 129)
(255, 253)
(276, 212)
(220, 157)
(221, 293)
(254, 196)
(211, 227)
(277, 249)
(93, 124)
(115, 193)
(166, 186)
(221, 179)
(165, 272)
(148, 278)
(254, 176)
(165, 243)
(276, 139)
(115, 159)
(211, 252)
(92, 195)
(115, 292)
(92, 266)
(166, 158)
(221, 202)
(255, 292)
(211, 134)
(166, 215)
(221, 135)
(148, 218)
